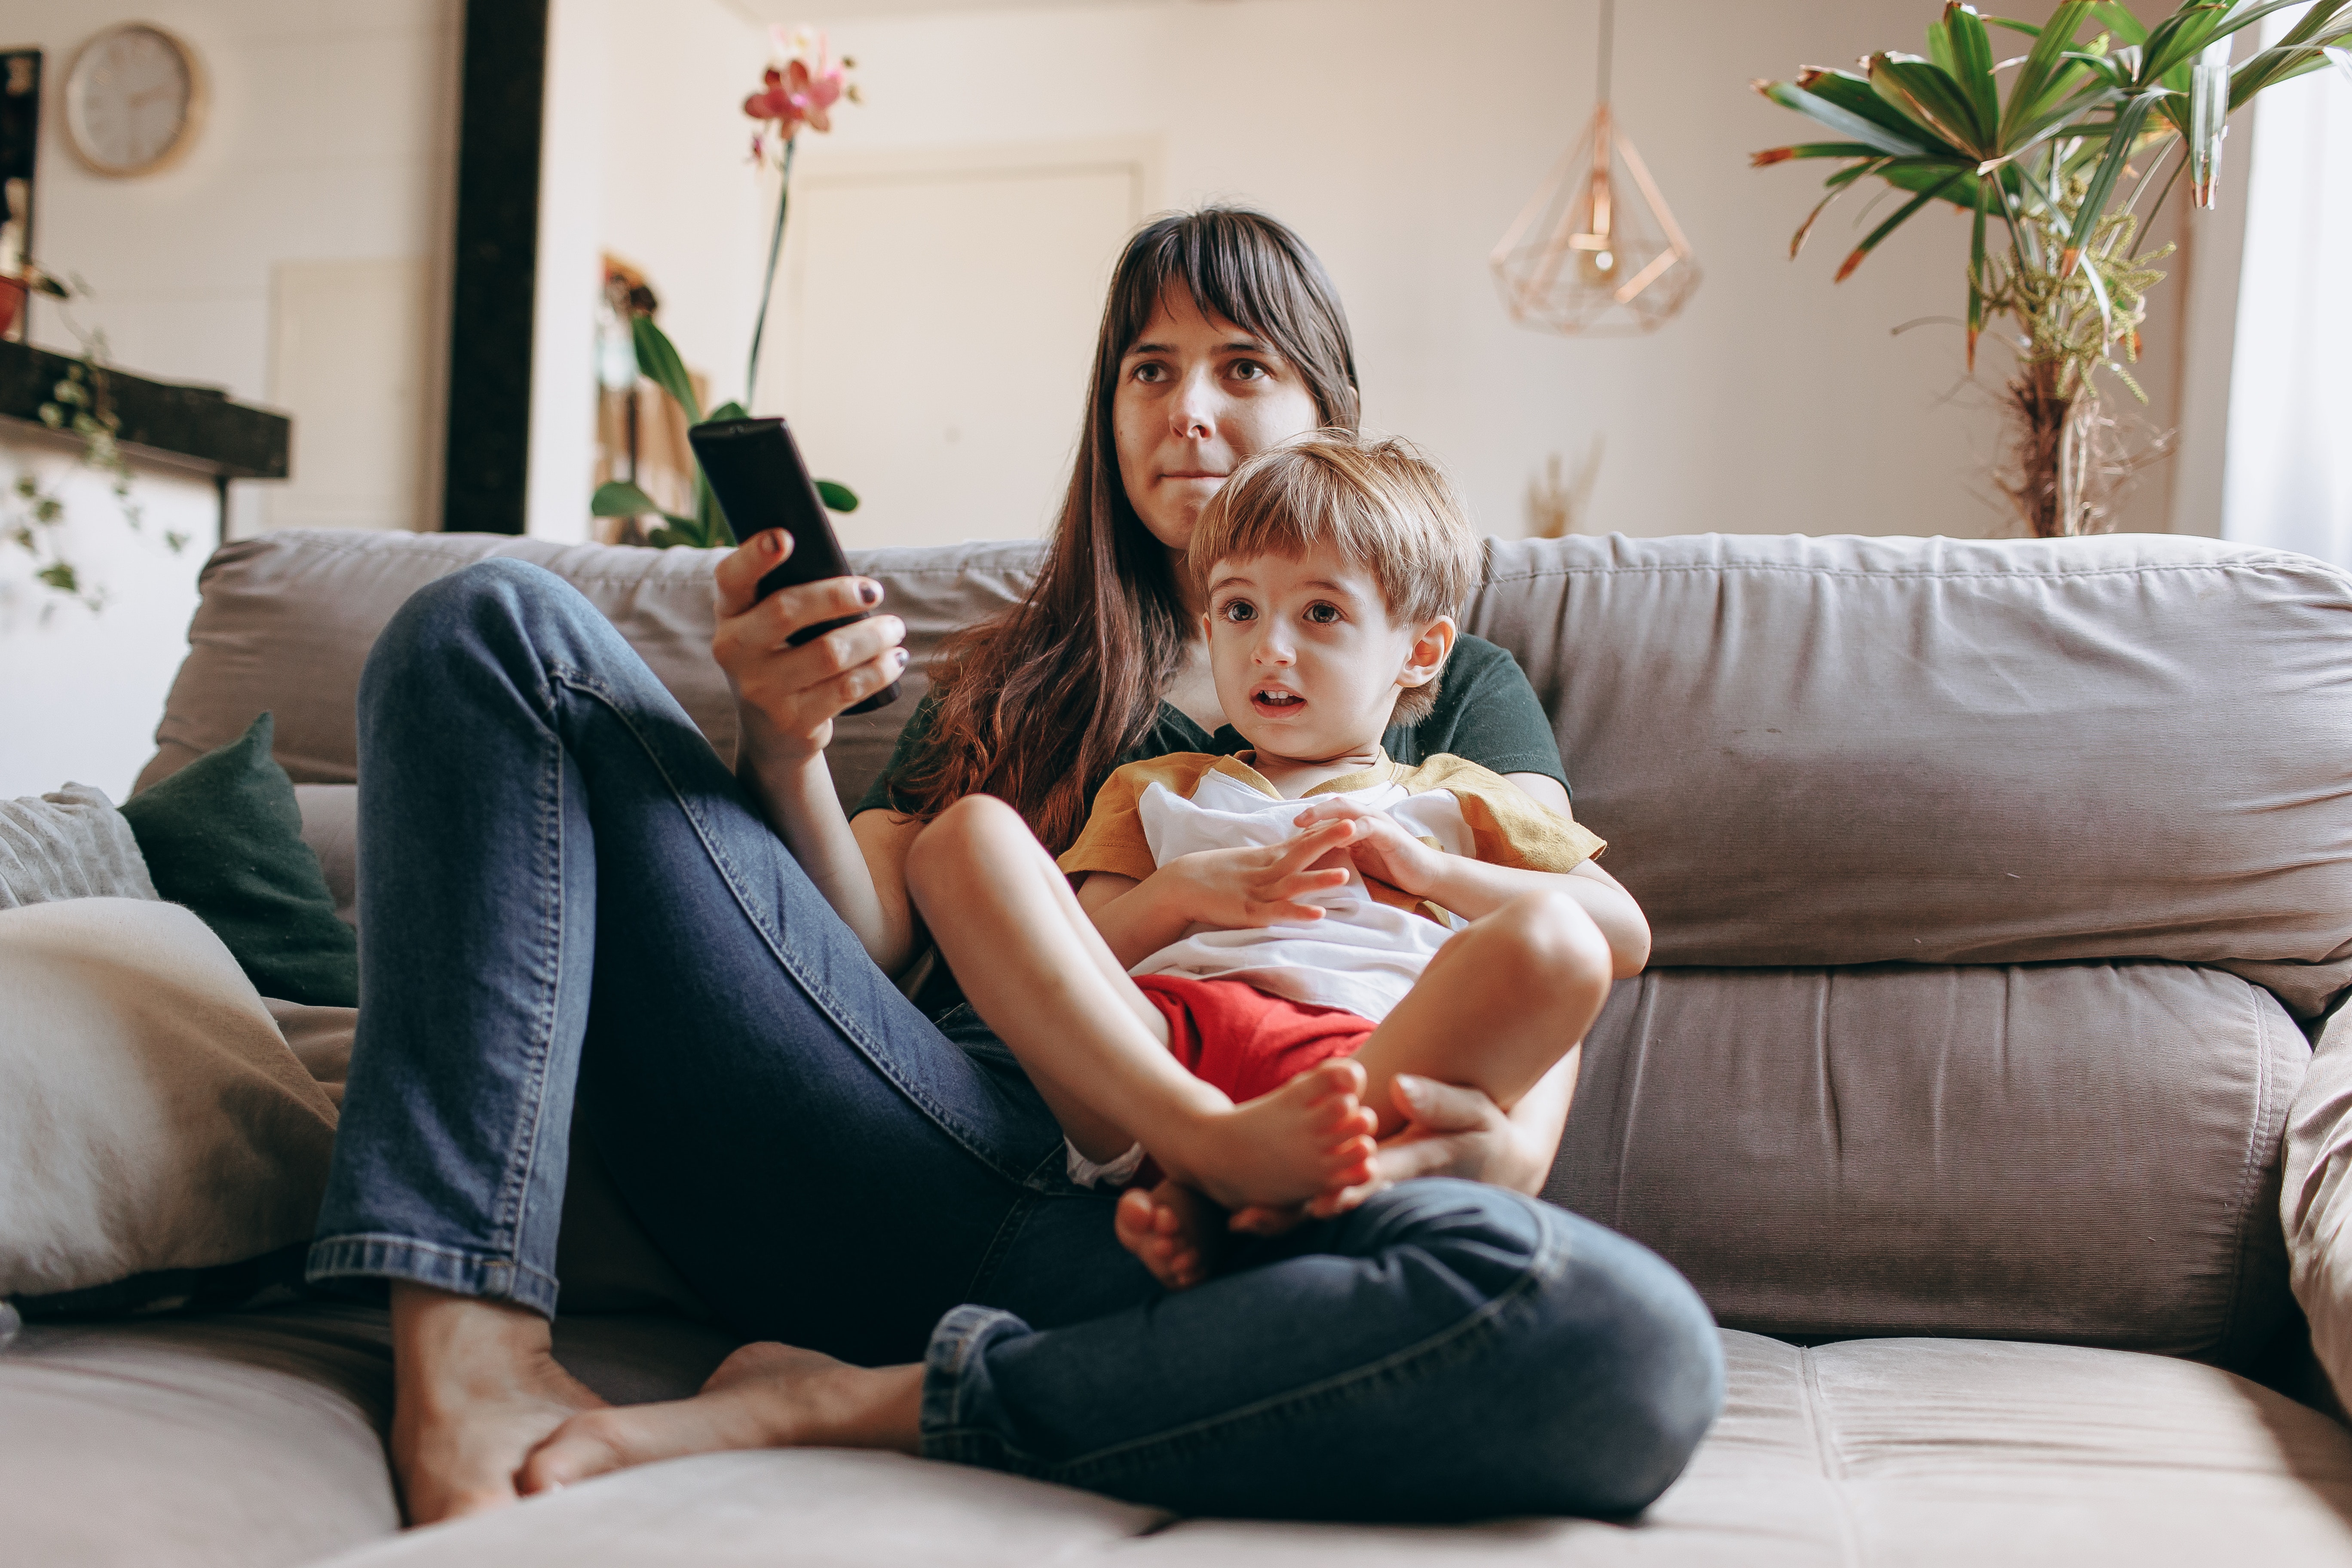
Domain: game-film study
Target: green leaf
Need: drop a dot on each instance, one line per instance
(1977, 271)
(709, 516)
(1846, 268)
(2039, 78)
(2094, 205)
(1971, 66)
(836, 497)
(2014, 25)
(1847, 105)
(2120, 20)
(619, 497)
(1927, 96)
(658, 361)
(731, 409)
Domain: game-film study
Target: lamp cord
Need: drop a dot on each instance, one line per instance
(1608, 40)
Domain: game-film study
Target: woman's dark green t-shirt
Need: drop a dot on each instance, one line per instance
(1486, 711)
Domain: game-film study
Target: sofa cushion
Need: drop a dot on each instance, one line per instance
(1911, 1451)
(224, 836)
(153, 1125)
(1935, 751)
(247, 1440)
(2078, 1152)
(287, 619)
(67, 844)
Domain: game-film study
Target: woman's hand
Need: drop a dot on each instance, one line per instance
(789, 696)
(1258, 885)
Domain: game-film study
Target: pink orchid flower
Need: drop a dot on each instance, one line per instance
(800, 90)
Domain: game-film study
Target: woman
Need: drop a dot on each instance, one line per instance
(570, 906)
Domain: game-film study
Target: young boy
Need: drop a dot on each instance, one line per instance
(1242, 927)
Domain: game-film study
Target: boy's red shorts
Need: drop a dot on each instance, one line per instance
(1247, 1041)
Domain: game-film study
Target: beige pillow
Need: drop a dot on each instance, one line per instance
(151, 1117)
(2315, 1201)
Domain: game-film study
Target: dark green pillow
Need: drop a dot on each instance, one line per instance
(224, 836)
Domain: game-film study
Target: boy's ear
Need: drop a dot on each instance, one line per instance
(1430, 651)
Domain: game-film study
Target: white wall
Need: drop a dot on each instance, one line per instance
(647, 156)
(327, 149)
(81, 690)
(330, 137)
(1401, 137)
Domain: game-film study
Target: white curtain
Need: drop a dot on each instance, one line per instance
(2287, 479)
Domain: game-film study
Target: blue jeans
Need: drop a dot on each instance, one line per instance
(567, 895)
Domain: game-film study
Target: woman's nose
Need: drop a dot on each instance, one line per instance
(1193, 414)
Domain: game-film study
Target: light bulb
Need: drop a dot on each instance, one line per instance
(1599, 267)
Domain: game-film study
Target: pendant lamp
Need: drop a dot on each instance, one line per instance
(1596, 250)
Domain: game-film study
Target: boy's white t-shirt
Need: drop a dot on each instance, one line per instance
(1374, 941)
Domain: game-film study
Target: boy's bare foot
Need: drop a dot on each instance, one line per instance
(476, 1387)
(1172, 1229)
(762, 1396)
(1310, 1136)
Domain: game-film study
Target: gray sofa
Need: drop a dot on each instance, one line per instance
(1998, 890)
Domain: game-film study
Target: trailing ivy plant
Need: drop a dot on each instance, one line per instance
(80, 405)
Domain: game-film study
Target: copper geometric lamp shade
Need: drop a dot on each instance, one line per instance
(1596, 250)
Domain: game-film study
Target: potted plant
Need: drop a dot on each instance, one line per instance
(2097, 109)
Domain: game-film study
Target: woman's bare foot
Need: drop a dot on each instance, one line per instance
(762, 1396)
(1310, 1136)
(1172, 1229)
(475, 1388)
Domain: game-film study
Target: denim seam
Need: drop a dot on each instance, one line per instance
(515, 1198)
(1000, 1243)
(1444, 1346)
(841, 1017)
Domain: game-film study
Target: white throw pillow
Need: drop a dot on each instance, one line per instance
(68, 844)
(151, 1117)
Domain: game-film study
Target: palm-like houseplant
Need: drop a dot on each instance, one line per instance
(2054, 165)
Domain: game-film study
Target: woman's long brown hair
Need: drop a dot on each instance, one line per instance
(1036, 705)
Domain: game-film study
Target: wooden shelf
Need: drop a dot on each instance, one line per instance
(192, 427)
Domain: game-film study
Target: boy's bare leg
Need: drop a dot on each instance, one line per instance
(1498, 1007)
(1032, 963)
(475, 1389)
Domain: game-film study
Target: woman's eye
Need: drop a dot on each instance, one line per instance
(1249, 370)
(1149, 372)
(1323, 614)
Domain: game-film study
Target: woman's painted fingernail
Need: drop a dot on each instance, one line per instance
(772, 543)
(899, 654)
(870, 592)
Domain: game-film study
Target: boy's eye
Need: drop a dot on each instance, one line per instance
(1239, 610)
(1249, 370)
(1322, 615)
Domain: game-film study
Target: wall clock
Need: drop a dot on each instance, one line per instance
(134, 98)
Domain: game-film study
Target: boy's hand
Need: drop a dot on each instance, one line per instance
(1379, 846)
(1233, 889)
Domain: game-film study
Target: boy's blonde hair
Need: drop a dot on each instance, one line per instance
(1380, 503)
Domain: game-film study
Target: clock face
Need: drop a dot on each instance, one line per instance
(131, 99)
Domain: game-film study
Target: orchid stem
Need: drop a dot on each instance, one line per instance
(768, 284)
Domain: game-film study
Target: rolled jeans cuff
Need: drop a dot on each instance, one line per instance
(461, 1273)
(956, 1392)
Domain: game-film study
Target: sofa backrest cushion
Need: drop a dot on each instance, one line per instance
(2079, 1152)
(287, 618)
(1812, 751)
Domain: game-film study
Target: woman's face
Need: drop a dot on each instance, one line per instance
(1196, 394)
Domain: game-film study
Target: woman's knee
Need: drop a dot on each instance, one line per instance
(493, 610)
(1602, 1367)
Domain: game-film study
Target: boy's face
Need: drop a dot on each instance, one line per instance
(1308, 658)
